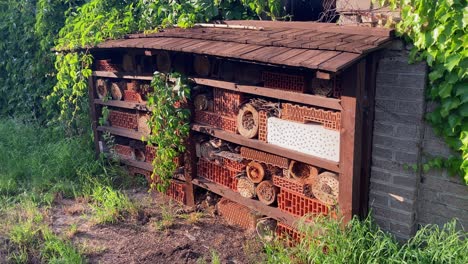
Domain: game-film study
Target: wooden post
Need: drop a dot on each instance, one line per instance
(190, 170)
(351, 136)
(94, 117)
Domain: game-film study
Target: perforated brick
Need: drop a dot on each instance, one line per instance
(176, 191)
(291, 234)
(267, 158)
(135, 171)
(150, 153)
(304, 114)
(106, 65)
(124, 152)
(215, 120)
(288, 82)
(227, 102)
(300, 205)
(233, 165)
(262, 126)
(132, 96)
(124, 120)
(217, 174)
(290, 184)
(237, 214)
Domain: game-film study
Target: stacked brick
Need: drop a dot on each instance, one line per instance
(237, 214)
(176, 191)
(150, 153)
(260, 156)
(123, 119)
(287, 82)
(217, 173)
(286, 232)
(300, 205)
(106, 65)
(289, 184)
(132, 96)
(303, 114)
(215, 120)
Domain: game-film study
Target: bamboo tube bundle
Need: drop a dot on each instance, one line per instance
(267, 192)
(326, 189)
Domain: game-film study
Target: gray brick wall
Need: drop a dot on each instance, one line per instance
(402, 199)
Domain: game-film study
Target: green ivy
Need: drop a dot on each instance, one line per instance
(439, 32)
(170, 125)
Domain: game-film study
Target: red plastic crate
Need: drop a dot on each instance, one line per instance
(262, 126)
(124, 152)
(300, 205)
(124, 120)
(290, 184)
(267, 158)
(215, 120)
(217, 174)
(237, 214)
(288, 82)
(304, 114)
(227, 103)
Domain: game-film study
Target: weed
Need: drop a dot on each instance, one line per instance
(215, 259)
(253, 251)
(192, 218)
(71, 231)
(168, 217)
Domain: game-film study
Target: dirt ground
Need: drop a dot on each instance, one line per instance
(188, 238)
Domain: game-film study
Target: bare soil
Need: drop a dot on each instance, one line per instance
(139, 239)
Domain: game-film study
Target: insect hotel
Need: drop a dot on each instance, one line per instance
(282, 114)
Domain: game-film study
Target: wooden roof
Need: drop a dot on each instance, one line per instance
(322, 46)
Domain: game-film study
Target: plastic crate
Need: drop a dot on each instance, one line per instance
(237, 214)
(267, 158)
(226, 103)
(304, 114)
(217, 174)
(288, 82)
(217, 121)
(124, 120)
(300, 205)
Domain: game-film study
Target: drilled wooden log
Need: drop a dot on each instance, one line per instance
(302, 172)
(255, 171)
(326, 189)
(101, 88)
(201, 102)
(247, 121)
(138, 155)
(116, 92)
(202, 65)
(143, 125)
(246, 187)
(266, 192)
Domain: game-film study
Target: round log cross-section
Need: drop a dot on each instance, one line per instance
(101, 88)
(266, 192)
(255, 172)
(326, 189)
(116, 92)
(163, 61)
(246, 187)
(200, 102)
(202, 65)
(138, 155)
(143, 125)
(302, 172)
(247, 121)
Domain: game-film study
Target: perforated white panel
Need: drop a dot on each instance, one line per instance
(312, 139)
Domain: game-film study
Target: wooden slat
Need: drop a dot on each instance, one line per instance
(122, 75)
(279, 58)
(255, 205)
(123, 104)
(256, 144)
(121, 132)
(339, 62)
(294, 61)
(313, 62)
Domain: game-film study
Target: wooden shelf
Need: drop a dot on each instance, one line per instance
(122, 75)
(255, 205)
(308, 99)
(121, 132)
(123, 104)
(256, 144)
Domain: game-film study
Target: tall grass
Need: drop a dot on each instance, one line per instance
(329, 241)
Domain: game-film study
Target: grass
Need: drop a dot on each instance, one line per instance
(329, 241)
(39, 165)
(168, 217)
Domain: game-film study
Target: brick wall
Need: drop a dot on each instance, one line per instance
(401, 198)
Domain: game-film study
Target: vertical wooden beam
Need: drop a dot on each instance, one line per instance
(94, 117)
(368, 129)
(351, 136)
(190, 171)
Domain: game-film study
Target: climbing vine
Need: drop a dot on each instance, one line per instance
(439, 32)
(170, 124)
